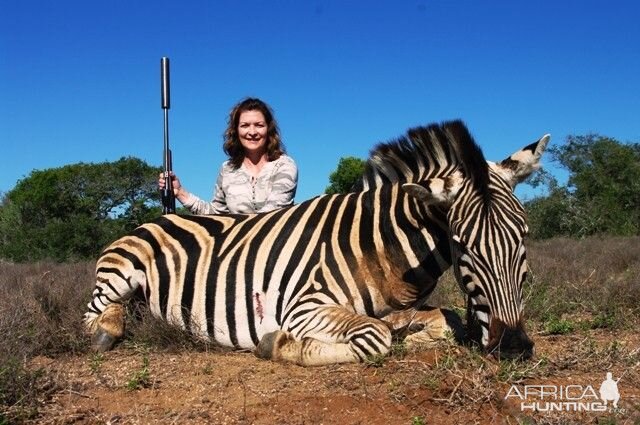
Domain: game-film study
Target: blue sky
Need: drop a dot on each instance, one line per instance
(79, 80)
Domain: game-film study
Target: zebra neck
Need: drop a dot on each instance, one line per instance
(409, 240)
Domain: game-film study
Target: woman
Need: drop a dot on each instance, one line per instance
(258, 176)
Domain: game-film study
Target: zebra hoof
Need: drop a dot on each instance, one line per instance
(444, 325)
(102, 341)
(270, 344)
(109, 328)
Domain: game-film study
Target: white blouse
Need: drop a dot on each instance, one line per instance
(238, 192)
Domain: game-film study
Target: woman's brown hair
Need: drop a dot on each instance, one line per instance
(232, 146)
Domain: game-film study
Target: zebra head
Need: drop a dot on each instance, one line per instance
(486, 224)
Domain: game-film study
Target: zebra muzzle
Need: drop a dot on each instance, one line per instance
(509, 343)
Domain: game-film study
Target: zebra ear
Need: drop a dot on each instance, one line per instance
(521, 164)
(435, 190)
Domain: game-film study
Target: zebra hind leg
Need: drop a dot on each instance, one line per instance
(347, 338)
(117, 282)
(108, 328)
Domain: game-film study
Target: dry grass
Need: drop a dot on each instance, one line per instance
(147, 331)
(572, 285)
(40, 315)
(594, 283)
(575, 289)
(41, 307)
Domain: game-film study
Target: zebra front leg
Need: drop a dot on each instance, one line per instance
(329, 335)
(425, 327)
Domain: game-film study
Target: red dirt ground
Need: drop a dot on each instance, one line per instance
(446, 384)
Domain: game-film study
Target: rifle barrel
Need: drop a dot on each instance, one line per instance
(168, 198)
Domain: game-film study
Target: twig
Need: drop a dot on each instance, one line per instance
(175, 420)
(455, 389)
(78, 394)
(419, 362)
(584, 281)
(244, 396)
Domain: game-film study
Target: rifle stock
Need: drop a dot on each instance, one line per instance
(168, 197)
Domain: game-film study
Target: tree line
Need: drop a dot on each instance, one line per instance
(602, 193)
(73, 212)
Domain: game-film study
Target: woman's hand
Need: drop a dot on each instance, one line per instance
(175, 182)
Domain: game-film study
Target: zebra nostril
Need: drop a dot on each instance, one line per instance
(519, 347)
(509, 343)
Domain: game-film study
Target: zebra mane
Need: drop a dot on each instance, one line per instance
(426, 152)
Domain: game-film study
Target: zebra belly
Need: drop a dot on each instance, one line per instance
(242, 323)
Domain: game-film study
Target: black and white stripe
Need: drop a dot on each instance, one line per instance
(327, 270)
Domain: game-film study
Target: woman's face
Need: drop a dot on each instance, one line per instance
(252, 131)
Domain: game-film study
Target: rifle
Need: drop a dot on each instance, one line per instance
(168, 197)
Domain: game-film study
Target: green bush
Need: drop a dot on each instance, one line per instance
(602, 195)
(73, 212)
